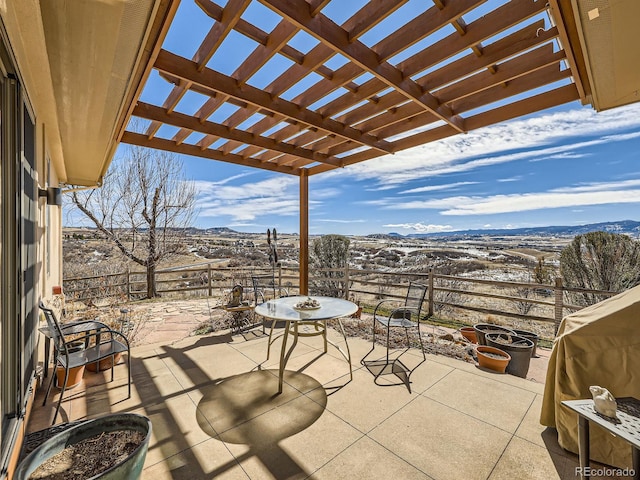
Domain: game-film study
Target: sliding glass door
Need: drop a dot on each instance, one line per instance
(19, 267)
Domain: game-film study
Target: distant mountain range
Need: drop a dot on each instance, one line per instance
(628, 227)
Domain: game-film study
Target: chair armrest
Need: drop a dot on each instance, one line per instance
(83, 326)
(99, 334)
(383, 302)
(403, 310)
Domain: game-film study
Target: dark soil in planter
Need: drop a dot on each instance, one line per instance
(90, 457)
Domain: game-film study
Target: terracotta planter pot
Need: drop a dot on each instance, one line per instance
(74, 379)
(76, 373)
(492, 358)
(104, 364)
(469, 333)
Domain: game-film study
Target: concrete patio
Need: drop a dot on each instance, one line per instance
(215, 414)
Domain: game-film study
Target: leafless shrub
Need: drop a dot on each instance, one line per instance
(443, 299)
(521, 305)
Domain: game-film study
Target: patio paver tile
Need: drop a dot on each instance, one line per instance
(210, 459)
(147, 361)
(175, 428)
(378, 402)
(324, 368)
(442, 441)
(368, 460)
(257, 351)
(525, 461)
(241, 398)
(292, 441)
(531, 430)
(483, 398)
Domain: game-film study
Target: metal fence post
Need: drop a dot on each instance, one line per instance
(559, 307)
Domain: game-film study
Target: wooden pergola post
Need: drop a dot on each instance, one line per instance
(304, 231)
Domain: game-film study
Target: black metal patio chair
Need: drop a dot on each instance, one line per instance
(265, 288)
(404, 316)
(101, 342)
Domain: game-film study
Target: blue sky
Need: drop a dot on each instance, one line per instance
(565, 166)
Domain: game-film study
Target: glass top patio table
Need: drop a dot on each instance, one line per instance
(284, 309)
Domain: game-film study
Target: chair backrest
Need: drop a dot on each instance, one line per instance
(263, 287)
(235, 299)
(415, 296)
(55, 330)
(258, 296)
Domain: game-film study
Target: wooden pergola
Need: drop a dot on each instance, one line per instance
(457, 66)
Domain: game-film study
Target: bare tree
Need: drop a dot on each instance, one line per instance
(143, 206)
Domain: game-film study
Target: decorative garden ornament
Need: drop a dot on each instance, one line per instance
(603, 402)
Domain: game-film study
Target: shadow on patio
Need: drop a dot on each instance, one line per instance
(215, 413)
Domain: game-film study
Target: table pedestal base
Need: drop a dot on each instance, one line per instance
(320, 327)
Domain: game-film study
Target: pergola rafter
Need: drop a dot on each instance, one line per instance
(379, 99)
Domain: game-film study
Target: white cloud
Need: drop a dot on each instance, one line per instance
(622, 136)
(511, 179)
(249, 201)
(379, 202)
(562, 156)
(532, 135)
(421, 227)
(600, 186)
(208, 186)
(269, 188)
(434, 188)
(246, 202)
(582, 195)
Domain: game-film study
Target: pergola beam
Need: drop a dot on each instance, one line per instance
(142, 140)
(481, 29)
(218, 32)
(151, 112)
(186, 69)
(316, 129)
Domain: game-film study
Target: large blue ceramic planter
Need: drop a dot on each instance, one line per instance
(129, 469)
